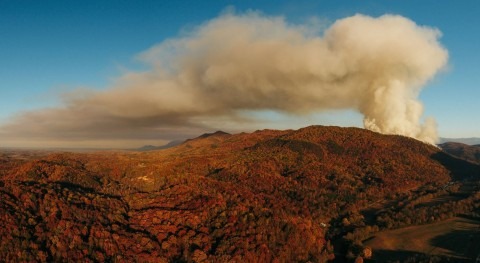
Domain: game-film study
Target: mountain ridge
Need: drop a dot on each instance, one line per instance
(165, 146)
(469, 141)
(312, 194)
(463, 151)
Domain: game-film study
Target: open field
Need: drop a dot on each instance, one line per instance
(457, 237)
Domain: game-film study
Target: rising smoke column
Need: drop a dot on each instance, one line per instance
(242, 63)
(396, 58)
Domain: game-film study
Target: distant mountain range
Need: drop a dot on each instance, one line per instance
(217, 134)
(153, 147)
(470, 153)
(469, 141)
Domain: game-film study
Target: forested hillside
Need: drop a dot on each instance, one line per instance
(463, 151)
(314, 194)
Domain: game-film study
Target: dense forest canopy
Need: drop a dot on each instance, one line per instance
(314, 194)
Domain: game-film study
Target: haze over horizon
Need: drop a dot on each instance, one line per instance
(232, 66)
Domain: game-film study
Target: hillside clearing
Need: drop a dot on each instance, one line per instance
(456, 237)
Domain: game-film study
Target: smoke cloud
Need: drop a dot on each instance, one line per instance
(236, 64)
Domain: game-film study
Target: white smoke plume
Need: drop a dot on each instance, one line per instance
(242, 63)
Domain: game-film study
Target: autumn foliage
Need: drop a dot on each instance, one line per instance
(267, 196)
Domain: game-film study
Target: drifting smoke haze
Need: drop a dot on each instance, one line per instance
(236, 64)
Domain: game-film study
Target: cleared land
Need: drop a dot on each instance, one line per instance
(457, 237)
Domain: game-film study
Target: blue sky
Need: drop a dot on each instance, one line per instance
(47, 47)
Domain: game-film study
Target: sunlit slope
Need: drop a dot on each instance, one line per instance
(251, 196)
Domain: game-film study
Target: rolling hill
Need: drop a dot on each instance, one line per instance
(154, 148)
(468, 141)
(463, 151)
(313, 194)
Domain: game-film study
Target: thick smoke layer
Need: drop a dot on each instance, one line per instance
(244, 63)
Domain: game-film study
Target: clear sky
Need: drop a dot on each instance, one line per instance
(49, 47)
